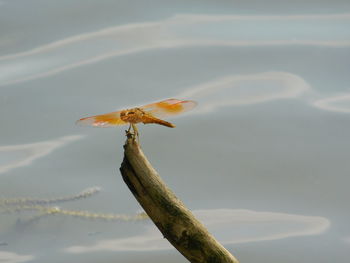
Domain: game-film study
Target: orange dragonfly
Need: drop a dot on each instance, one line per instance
(150, 113)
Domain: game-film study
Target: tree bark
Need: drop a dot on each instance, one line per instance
(173, 219)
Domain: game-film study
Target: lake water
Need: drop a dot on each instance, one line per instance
(263, 161)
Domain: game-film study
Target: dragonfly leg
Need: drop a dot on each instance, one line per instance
(127, 132)
(136, 131)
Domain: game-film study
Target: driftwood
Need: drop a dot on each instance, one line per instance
(173, 219)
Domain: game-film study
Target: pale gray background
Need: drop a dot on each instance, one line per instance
(270, 134)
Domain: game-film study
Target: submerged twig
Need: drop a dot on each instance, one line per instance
(31, 201)
(44, 207)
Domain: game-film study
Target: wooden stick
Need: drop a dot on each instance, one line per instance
(168, 213)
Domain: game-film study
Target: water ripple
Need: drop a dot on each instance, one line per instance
(177, 31)
(14, 156)
(235, 90)
(10, 257)
(340, 103)
(228, 225)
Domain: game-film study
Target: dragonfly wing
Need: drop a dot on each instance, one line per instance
(104, 120)
(169, 107)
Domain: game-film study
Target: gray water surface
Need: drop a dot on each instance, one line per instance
(263, 161)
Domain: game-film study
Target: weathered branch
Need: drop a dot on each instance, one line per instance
(169, 214)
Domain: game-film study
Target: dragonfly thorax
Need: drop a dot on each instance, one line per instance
(134, 115)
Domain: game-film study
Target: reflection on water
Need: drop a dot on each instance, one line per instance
(177, 31)
(339, 103)
(24, 154)
(229, 225)
(245, 89)
(10, 257)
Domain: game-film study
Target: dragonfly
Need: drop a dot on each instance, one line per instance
(150, 113)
